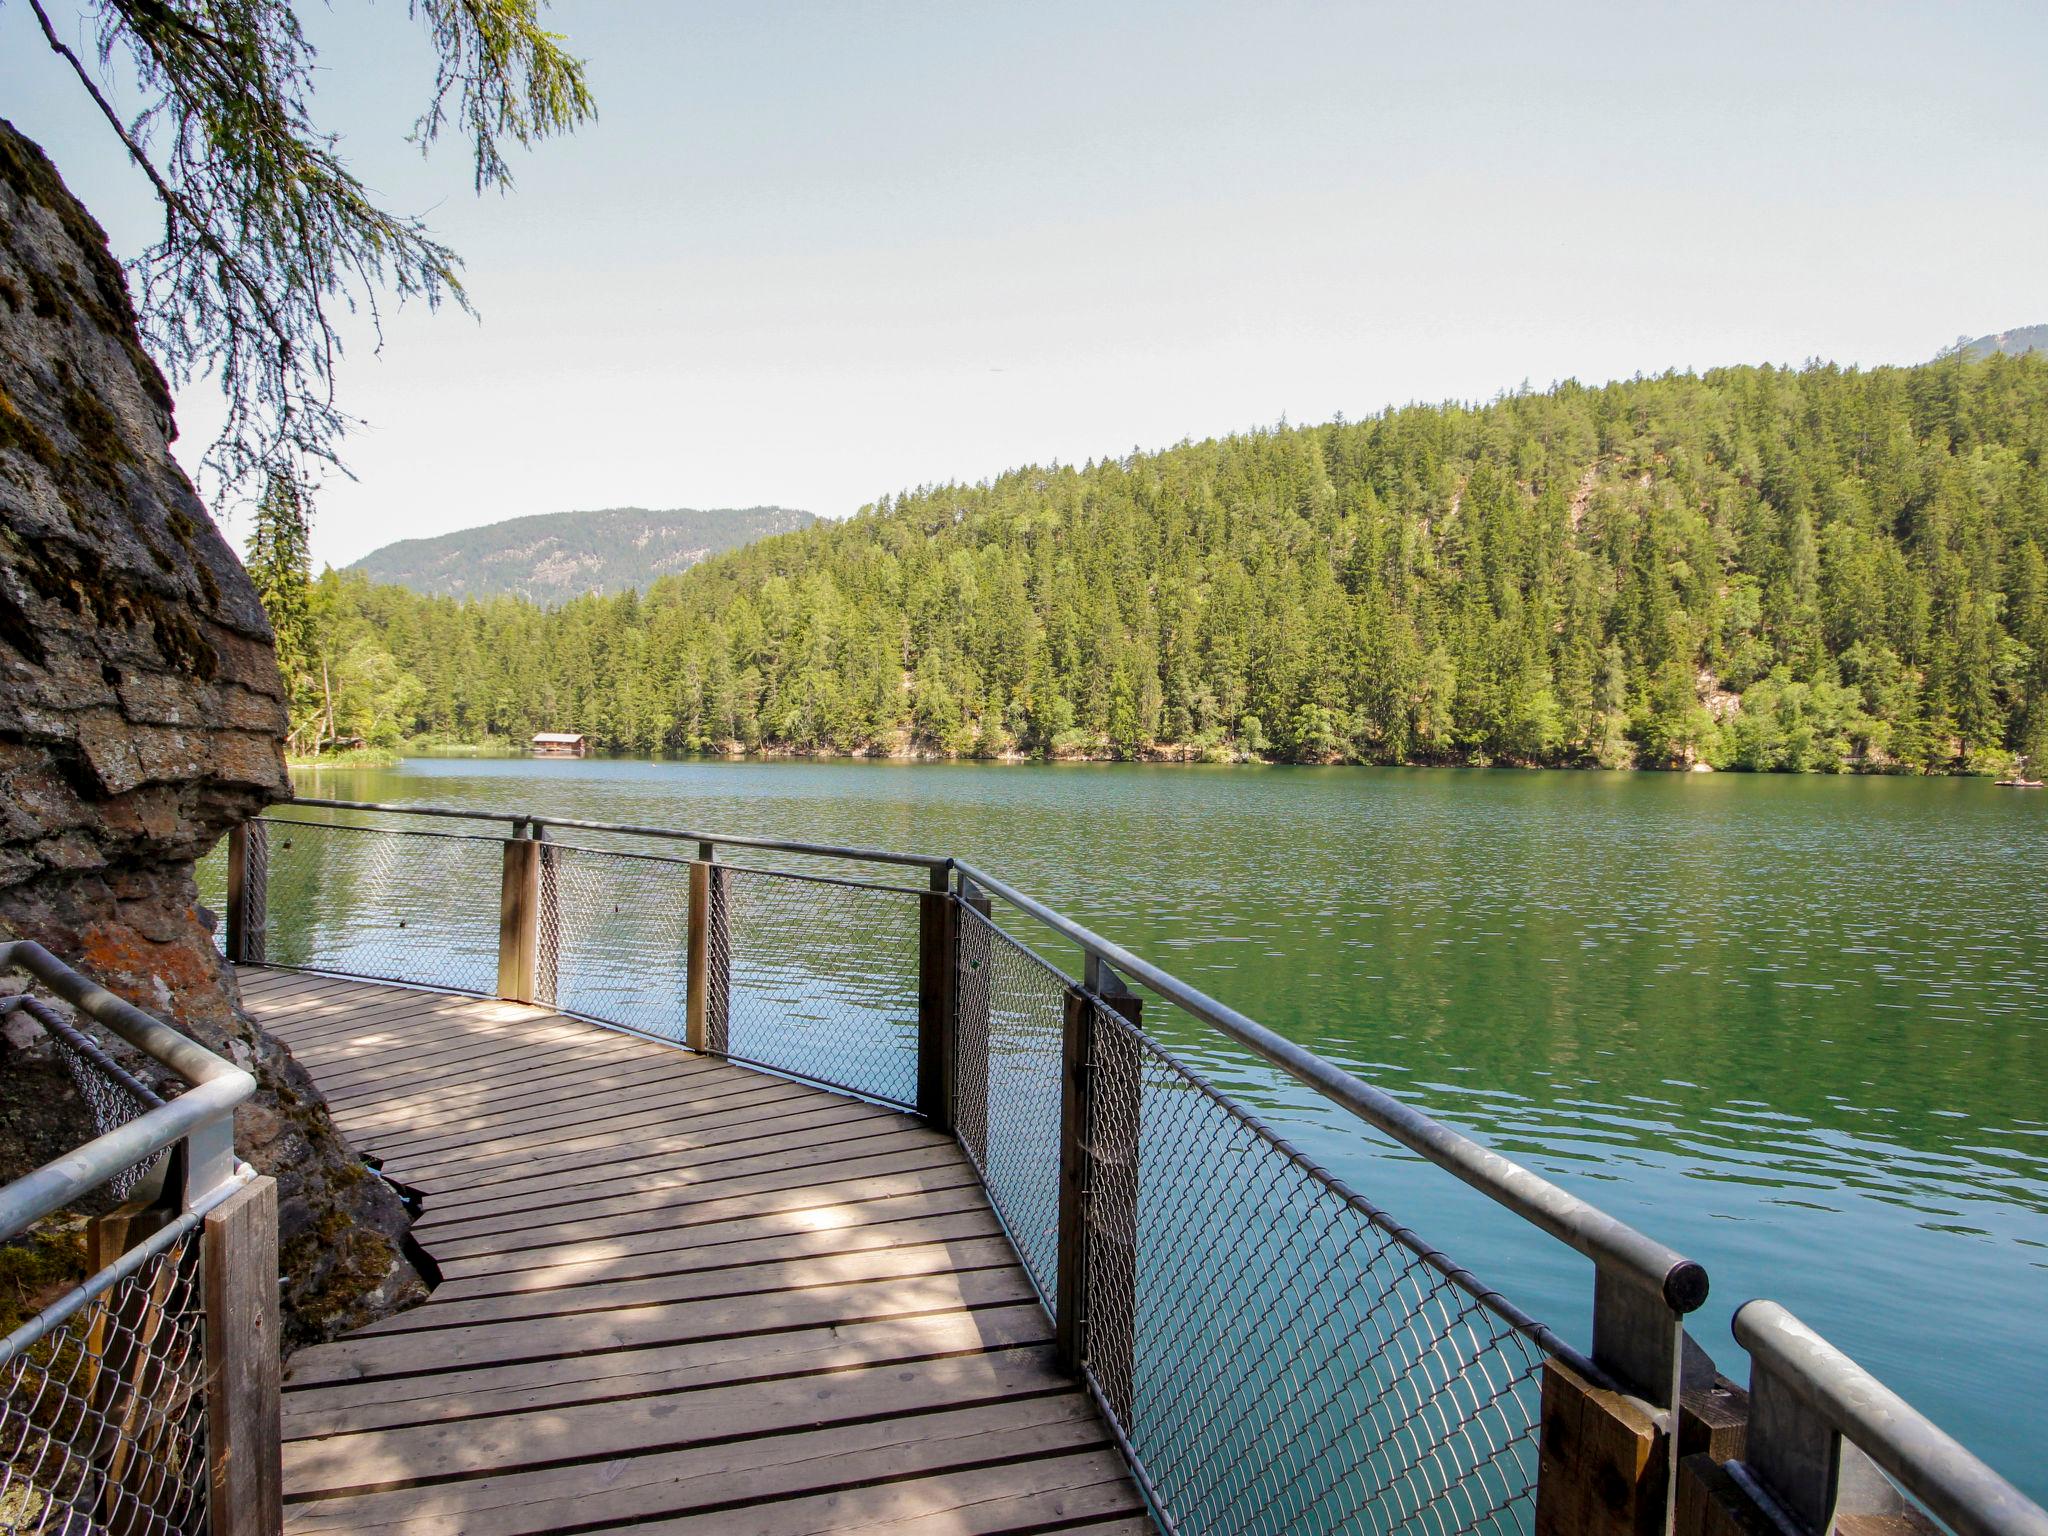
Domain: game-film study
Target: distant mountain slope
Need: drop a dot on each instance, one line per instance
(2028, 338)
(555, 556)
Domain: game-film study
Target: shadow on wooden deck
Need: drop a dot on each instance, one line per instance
(676, 1295)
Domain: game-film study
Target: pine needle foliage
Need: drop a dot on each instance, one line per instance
(269, 240)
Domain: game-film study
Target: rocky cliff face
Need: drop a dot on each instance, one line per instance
(141, 715)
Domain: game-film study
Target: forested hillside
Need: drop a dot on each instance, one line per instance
(559, 555)
(1757, 568)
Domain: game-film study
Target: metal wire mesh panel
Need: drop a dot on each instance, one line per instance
(420, 907)
(103, 1419)
(1283, 1356)
(211, 874)
(113, 1095)
(1012, 1009)
(823, 978)
(615, 928)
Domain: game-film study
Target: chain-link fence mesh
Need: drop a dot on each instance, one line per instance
(113, 1095)
(103, 1411)
(419, 907)
(615, 934)
(1283, 1357)
(1011, 1008)
(820, 977)
(210, 873)
(1280, 1355)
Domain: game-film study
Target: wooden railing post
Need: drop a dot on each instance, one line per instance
(1114, 1105)
(1608, 1462)
(248, 891)
(245, 1469)
(973, 953)
(1070, 1296)
(1095, 1310)
(519, 920)
(707, 1008)
(935, 1003)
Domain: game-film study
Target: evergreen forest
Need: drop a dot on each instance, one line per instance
(1820, 569)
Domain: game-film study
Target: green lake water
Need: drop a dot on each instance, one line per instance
(1795, 1027)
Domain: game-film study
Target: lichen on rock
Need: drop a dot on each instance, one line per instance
(141, 715)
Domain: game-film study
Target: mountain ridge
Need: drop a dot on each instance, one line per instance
(551, 557)
(2020, 339)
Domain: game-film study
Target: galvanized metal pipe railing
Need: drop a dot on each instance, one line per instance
(1610, 1243)
(202, 1117)
(1822, 1430)
(182, 1308)
(521, 820)
(1600, 1237)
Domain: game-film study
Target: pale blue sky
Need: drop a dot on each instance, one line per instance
(812, 253)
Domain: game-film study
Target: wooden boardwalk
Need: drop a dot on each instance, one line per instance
(676, 1295)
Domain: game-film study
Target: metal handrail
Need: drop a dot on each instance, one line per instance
(1862, 1411)
(520, 819)
(1583, 1226)
(1680, 1282)
(201, 1116)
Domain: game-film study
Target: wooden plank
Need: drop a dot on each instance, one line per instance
(732, 1119)
(689, 1365)
(814, 1229)
(677, 1295)
(364, 1355)
(261, 982)
(807, 1125)
(792, 1119)
(648, 1190)
(751, 1472)
(432, 1452)
(656, 1217)
(244, 1467)
(419, 1027)
(570, 1107)
(473, 1044)
(683, 1231)
(545, 1083)
(329, 1011)
(1033, 1494)
(318, 1013)
(333, 1005)
(545, 1061)
(566, 1138)
(779, 1272)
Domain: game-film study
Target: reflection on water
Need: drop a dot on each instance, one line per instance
(1797, 1028)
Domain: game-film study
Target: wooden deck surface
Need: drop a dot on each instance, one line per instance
(677, 1295)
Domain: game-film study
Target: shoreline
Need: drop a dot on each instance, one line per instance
(1154, 756)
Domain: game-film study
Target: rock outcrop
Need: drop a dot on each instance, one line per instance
(141, 715)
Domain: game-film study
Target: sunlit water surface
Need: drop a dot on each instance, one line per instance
(1797, 1028)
